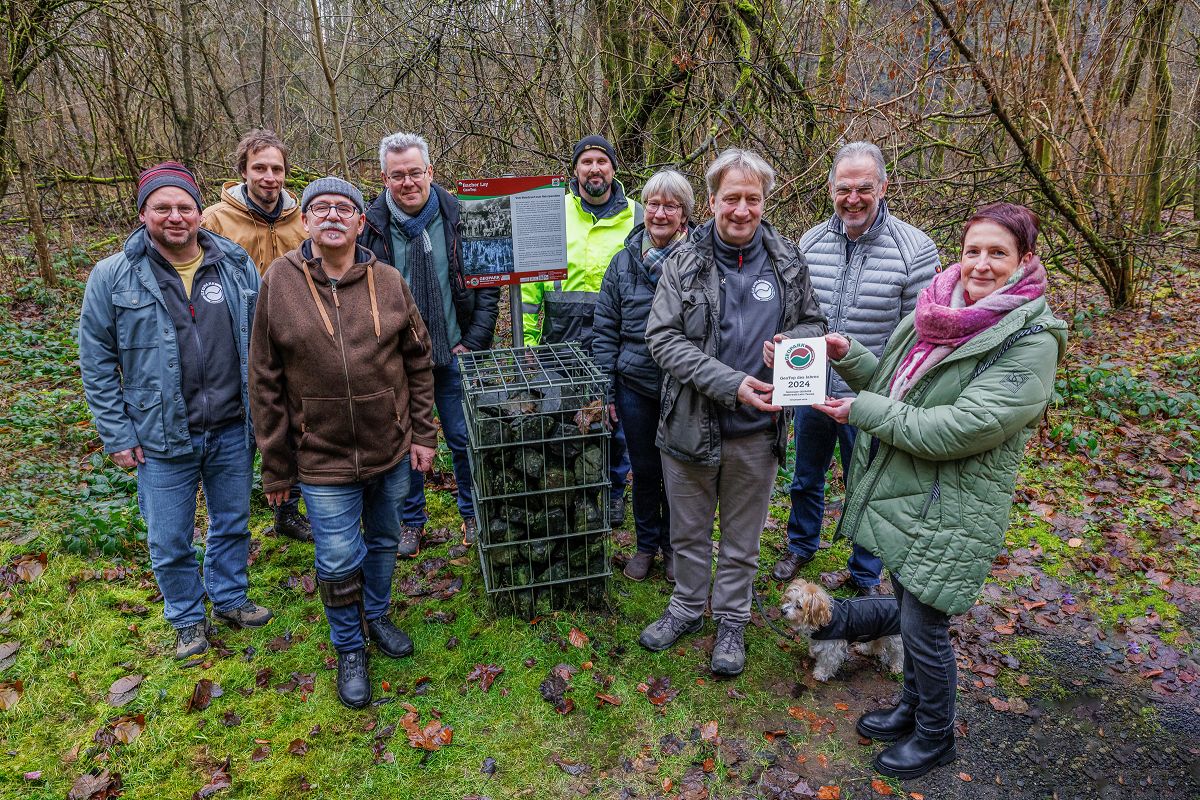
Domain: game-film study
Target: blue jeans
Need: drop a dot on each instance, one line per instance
(221, 462)
(816, 434)
(447, 396)
(357, 526)
(651, 514)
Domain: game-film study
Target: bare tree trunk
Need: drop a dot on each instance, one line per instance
(331, 82)
(187, 121)
(1160, 21)
(263, 60)
(19, 155)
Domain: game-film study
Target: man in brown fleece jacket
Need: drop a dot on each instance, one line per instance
(341, 390)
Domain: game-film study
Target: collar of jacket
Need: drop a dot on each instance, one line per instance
(379, 216)
(138, 250)
(622, 201)
(302, 258)
(783, 254)
(836, 226)
(234, 193)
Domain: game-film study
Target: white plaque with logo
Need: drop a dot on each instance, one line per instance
(799, 372)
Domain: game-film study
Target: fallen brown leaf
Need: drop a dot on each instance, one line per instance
(829, 793)
(578, 637)
(124, 689)
(882, 788)
(8, 654)
(298, 747)
(10, 693)
(611, 699)
(96, 785)
(30, 567)
(260, 752)
(219, 780)
(128, 727)
(708, 731)
(202, 695)
(962, 776)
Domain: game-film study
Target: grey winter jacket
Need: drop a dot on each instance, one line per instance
(129, 355)
(683, 333)
(867, 296)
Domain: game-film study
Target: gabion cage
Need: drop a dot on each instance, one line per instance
(539, 462)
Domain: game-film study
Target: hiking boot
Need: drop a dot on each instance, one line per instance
(390, 640)
(247, 615)
(291, 523)
(729, 652)
(616, 511)
(669, 567)
(786, 568)
(410, 541)
(639, 566)
(666, 630)
(191, 640)
(470, 531)
(353, 681)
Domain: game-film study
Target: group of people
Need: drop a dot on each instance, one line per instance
(325, 332)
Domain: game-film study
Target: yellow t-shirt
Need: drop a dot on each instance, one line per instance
(187, 271)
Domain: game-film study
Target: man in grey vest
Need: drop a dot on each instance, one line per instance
(867, 268)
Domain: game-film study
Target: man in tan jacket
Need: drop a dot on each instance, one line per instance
(262, 216)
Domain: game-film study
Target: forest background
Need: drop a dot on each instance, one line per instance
(1080, 673)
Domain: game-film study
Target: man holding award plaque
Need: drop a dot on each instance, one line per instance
(867, 268)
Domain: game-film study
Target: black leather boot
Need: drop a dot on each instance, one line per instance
(390, 640)
(353, 680)
(915, 755)
(888, 724)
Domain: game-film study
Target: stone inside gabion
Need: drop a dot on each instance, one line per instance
(540, 465)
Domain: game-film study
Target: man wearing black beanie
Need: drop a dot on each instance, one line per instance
(599, 218)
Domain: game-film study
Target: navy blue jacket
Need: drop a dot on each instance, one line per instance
(619, 327)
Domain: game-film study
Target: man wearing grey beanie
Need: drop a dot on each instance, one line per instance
(341, 389)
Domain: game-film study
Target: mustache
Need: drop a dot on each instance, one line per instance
(331, 225)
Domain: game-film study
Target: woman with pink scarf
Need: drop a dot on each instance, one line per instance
(944, 415)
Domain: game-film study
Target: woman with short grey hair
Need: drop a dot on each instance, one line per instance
(619, 348)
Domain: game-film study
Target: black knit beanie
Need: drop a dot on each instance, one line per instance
(594, 142)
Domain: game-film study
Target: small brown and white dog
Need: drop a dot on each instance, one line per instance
(871, 624)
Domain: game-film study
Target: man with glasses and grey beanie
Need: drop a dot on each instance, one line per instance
(341, 387)
(163, 337)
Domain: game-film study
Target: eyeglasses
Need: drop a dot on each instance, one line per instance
(183, 211)
(343, 210)
(670, 208)
(414, 175)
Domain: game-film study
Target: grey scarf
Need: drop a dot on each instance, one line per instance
(426, 288)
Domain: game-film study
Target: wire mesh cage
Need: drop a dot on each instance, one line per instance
(539, 463)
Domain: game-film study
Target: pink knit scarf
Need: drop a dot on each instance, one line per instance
(944, 321)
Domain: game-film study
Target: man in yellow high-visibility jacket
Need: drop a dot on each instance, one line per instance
(599, 217)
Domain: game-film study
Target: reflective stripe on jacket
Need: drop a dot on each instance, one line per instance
(568, 305)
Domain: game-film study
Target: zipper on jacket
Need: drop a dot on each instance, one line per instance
(934, 494)
(203, 373)
(346, 369)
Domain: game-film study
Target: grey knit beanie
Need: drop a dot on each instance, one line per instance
(332, 185)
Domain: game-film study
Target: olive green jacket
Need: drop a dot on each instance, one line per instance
(933, 503)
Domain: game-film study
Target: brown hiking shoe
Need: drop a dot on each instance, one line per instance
(191, 640)
(639, 566)
(247, 615)
(470, 531)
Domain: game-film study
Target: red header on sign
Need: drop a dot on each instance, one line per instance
(495, 187)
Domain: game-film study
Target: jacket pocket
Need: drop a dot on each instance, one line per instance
(144, 409)
(378, 423)
(136, 319)
(326, 435)
(694, 317)
(934, 496)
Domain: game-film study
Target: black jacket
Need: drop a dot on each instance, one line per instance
(476, 309)
(619, 327)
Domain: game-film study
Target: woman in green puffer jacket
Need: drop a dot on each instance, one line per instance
(944, 415)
